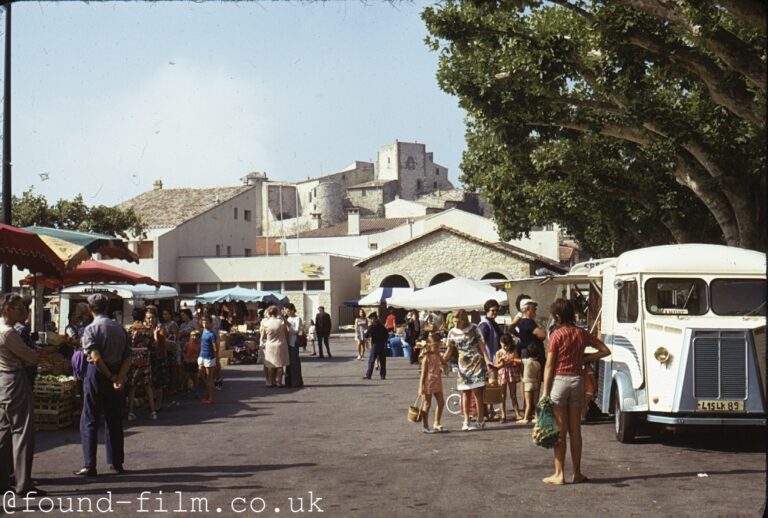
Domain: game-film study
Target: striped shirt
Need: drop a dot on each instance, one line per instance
(568, 343)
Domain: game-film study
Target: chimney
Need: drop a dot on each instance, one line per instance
(315, 221)
(353, 222)
(158, 185)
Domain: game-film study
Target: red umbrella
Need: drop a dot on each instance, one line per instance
(26, 249)
(92, 271)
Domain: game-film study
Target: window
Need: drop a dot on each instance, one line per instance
(626, 303)
(235, 212)
(418, 185)
(310, 196)
(293, 285)
(373, 246)
(363, 193)
(271, 286)
(437, 171)
(676, 296)
(247, 215)
(189, 288)
(434, 184)
(146, 249)
(229, 251)
(738, 297)
(218, 250)
(248, 252)
(315, 285)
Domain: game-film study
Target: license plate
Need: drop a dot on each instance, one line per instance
(720, 405)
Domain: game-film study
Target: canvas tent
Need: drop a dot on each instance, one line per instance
(456, 293)
(382, 295)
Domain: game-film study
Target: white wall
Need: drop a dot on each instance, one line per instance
(249, 269)
(404, 209)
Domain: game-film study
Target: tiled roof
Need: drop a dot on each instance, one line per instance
(367, 226)
(505, 247)
(161, 208)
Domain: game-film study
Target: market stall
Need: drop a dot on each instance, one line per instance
(122, 299)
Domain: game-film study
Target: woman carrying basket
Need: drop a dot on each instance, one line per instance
(562, 383)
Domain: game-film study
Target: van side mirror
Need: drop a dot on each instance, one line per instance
(618, 284)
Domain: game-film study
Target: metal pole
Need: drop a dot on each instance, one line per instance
(298, 219)
(6, 269)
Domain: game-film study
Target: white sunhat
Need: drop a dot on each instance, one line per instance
(527, 302)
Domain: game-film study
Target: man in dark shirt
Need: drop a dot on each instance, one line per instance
(323, 330)
(379, 336)
(105, 344)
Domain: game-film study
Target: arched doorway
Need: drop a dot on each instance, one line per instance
(494, 275)
(394, 281)
(440, 277)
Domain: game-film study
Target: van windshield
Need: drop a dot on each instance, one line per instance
(676, 296)
(739, 297)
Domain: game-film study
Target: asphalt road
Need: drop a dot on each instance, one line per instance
(346, 441)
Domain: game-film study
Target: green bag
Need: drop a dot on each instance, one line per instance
(545, 432)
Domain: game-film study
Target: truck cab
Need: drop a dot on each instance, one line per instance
(686, 327)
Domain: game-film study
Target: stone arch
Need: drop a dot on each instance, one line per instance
(441, 277)
(494, 274)
(396, 281)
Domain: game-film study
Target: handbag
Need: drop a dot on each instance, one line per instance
(492, 394)
(415, 411)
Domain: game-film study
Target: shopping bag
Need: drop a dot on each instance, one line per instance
(414, 411)
(545, 432)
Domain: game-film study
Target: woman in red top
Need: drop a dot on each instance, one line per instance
(562, 383)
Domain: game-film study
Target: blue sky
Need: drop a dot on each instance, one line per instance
(109, 97)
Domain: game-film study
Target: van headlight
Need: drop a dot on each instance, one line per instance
(662, 355)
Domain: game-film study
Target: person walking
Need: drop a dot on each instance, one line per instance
(293, 377)
(17, 435)
(563, 384)
(105, 344)
(491, 334)
(378, 335)
(361, 326)
(323, 330)
(465, 338)
(412, 331)
(274, 337)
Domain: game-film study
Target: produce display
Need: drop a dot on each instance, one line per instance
(54, 401)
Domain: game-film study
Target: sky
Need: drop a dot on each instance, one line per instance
(107, 98)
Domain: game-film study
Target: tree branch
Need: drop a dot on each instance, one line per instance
(751, 12)
(734, 98)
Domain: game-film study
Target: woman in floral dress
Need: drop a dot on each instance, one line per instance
(465, 338)
(142, 339)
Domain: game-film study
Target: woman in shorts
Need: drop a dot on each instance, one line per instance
(563, 384)
(207, 359)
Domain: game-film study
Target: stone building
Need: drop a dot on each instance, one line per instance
(444, 253)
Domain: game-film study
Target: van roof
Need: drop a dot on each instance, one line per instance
(692, 258)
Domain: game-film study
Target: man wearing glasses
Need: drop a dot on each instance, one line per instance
(16, 420)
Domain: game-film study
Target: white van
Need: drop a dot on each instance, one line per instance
(686, 327)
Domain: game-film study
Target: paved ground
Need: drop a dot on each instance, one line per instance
(347, 441)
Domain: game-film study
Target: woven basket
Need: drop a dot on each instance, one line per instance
(414, 411)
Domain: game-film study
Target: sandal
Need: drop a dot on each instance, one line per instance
(438, 428)
(131, 416)
(153, 416)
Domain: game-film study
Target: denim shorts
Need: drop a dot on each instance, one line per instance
(567, 391)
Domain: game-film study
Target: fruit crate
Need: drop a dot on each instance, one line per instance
(48, 405)
(52, 419)
(54, 389)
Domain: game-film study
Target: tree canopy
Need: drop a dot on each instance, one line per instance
(33, 209)
(630, 122)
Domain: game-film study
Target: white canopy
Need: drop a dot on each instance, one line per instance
(457, 293)
(382, 295)
(125, 291)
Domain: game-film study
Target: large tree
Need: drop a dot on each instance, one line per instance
(33, 209)
(630, 122)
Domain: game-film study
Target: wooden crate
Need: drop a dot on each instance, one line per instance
(52, 420)
(54, 389)
(46, 405)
